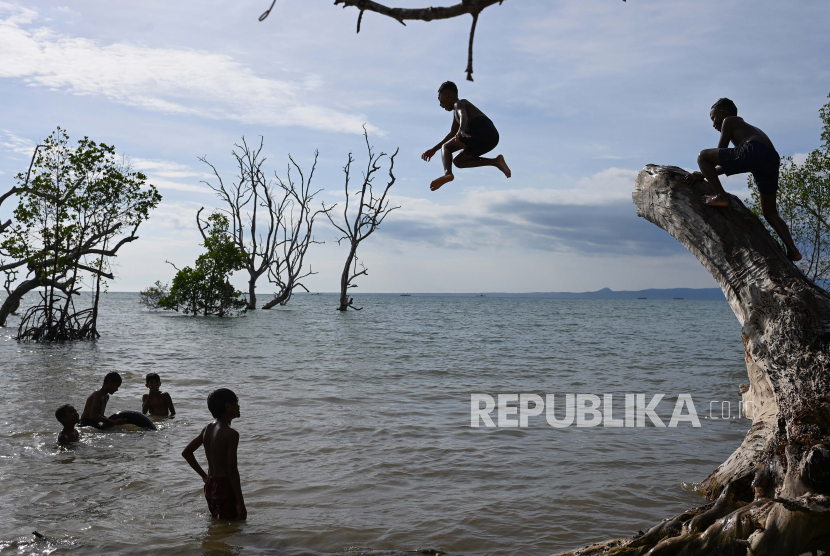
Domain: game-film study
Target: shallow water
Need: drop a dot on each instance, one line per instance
(355, 428)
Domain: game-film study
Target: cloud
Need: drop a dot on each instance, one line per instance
(595, 217)
(16, 144)
(164, 175)
(167, 80)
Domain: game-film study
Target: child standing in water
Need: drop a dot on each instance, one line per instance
(753, 152)
(471, 131)
(223, 490)
(156, 402)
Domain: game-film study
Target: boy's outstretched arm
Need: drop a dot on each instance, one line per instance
(233, 473)
(97, 413)
(431, 152)
(188, 452)
(170, 407)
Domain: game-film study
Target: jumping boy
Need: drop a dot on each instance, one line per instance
(471, 131)
(68, 416)
(156, 402)
(96, 404)
(223, 490)
(753, 152)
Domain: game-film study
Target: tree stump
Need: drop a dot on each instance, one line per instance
(773, 492)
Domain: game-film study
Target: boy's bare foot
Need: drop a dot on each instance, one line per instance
(441, 181)
(794, 255)
(716, 200)
(502, 165)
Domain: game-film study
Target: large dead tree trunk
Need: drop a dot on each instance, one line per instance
(773, 493)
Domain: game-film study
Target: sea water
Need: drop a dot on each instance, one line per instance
(355, 431)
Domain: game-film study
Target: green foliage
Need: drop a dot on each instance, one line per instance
(206, 289)
(151, 296)
(804, 204)
(76, 199)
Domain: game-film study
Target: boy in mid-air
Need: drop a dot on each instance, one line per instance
(156, 402)
(223, 490)
(753, 152)
(68, 417)
(96, 404)
(471, 131)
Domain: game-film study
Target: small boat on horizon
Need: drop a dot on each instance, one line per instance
(642, 298)
(406, 295)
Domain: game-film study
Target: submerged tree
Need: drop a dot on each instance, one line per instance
(151, 297)
(371, 211)
(271, 226)
(771, 497)
(77, 206)
(804, 203)
(206, 289)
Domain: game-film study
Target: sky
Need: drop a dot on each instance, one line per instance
(584, 93)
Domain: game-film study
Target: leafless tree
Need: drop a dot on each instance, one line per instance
(271, 225)
(372, 210)
(401, 15)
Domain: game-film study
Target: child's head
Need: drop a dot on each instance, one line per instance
(111, 382)
(153, 381)
(723, 108)
(447, 95)
(67, 415)
(223, 403)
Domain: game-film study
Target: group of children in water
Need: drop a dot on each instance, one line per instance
(223, 490)
(474, 134)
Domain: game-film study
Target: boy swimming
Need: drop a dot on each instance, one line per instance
(96, 404)
(223, 490)
(471, 131)
(753, 152)
(156, 402)
(68, 416)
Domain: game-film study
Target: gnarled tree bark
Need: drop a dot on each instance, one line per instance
(773, 492)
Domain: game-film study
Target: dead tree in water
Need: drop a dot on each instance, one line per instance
(371, 212)
(273, 231)
(773, 493)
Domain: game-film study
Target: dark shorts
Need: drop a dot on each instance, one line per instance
(483, 137)
(756, 158)
(220, 498)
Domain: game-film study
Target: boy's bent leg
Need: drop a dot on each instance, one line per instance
(707, 160)
(465, 160)
(447, 149)
(770, 210)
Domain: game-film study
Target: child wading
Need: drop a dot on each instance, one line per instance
(96, 404)
(471, 131)
(753, 152)
(223, 490)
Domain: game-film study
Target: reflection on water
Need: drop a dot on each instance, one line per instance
(355, 431)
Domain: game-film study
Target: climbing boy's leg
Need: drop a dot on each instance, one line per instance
(447, 149)
(707, 160)
(770, 210)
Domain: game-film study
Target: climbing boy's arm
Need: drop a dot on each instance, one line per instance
(188, 451)
(461, 109)
(726, 130)
(233, 473)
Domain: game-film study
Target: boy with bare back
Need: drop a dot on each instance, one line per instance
(471, 131)
(96, 404)
(753, 152)
(223, 490)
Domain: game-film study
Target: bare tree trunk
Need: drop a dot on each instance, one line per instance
(252, 291)
(774, 490)
(345, 278)
(12, 302)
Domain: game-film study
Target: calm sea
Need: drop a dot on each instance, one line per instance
(355, 428)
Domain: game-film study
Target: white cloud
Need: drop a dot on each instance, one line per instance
(167, 80)
(19, 145)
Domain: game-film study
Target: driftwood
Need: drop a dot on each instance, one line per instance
(773, 492)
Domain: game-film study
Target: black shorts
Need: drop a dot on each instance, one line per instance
(757, 158)
(483, 137)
